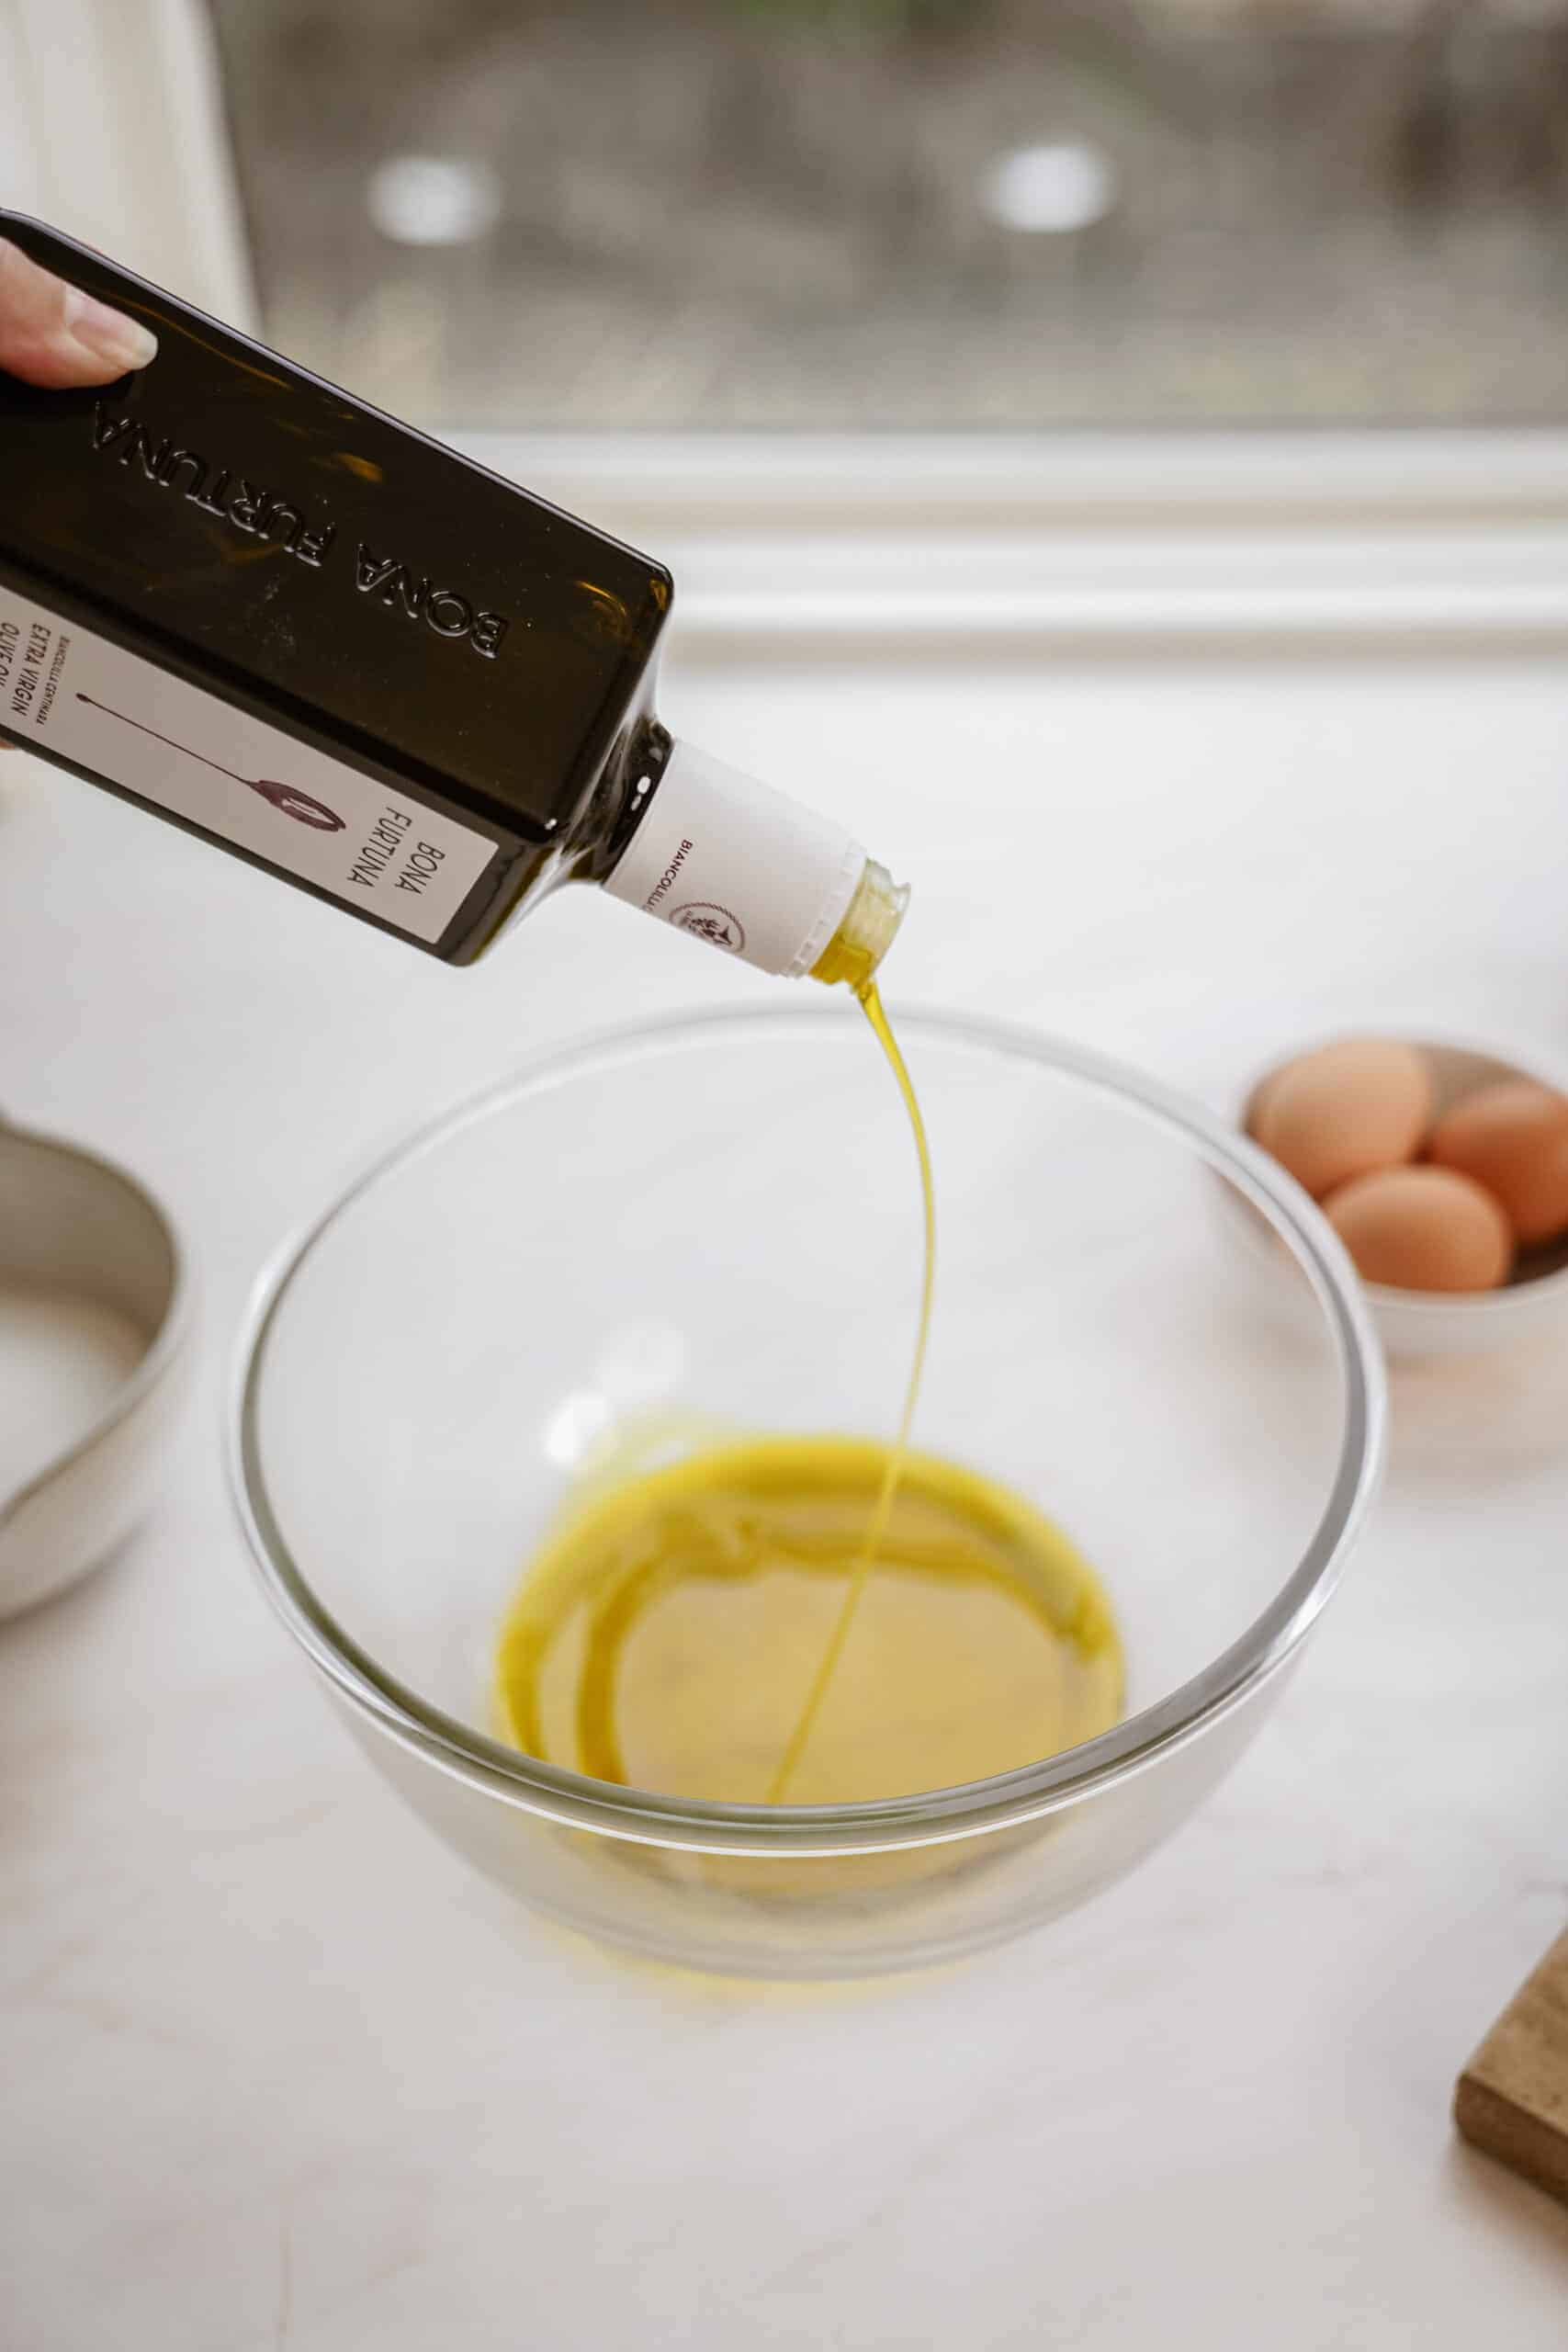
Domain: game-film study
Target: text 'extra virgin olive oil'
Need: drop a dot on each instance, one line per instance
(251, 603)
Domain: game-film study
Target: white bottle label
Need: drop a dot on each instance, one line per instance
(68, 691)
(753, 873)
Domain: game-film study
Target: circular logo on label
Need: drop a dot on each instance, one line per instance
(715, 924)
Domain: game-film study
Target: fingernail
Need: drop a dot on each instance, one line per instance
(108, 335)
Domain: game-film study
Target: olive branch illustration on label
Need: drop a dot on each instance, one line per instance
(286, 798)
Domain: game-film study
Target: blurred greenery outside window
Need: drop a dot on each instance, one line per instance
(838, 215)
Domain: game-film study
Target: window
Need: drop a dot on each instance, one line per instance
(916, 214)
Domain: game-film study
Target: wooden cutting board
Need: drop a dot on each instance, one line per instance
(1512, 2098)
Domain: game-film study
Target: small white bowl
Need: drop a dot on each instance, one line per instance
(93, 1327)
(1413, 1323)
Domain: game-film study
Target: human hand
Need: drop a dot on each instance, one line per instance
(54, 335)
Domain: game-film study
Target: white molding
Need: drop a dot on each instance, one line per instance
(112, 128)
(112, 125)
(805, 480)
(1396, 538)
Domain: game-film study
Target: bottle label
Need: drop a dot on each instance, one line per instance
(66, 691)
(734, 863)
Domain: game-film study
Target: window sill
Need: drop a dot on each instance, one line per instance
(1182, 538)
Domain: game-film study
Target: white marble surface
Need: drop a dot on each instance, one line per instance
(278, 2073)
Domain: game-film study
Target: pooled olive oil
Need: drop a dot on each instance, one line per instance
(810, 1620)
(667, 1637)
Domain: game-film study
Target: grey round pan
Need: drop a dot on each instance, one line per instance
(76, 1228)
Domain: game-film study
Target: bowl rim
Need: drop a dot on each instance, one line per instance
(929, 1817)
(162, 1345)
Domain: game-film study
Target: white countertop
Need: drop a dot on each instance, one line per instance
(281, 2072)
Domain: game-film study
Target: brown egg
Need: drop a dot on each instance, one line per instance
(1513, 1138)
(1422, 1228)
(1344, 1110)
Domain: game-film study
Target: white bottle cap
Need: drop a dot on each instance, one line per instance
(739, 865)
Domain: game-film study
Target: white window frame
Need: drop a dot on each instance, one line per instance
(1184, 538)
(113, 129)
(113, 125)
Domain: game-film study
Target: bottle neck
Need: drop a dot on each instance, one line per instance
(867, 931)
(757, 875)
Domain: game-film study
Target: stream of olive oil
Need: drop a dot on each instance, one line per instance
(871, 1002)
(688, 1630)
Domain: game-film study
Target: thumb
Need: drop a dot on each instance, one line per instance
(53, 334)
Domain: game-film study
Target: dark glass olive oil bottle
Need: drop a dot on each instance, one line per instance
(251, 603)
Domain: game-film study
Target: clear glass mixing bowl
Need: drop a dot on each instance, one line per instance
(718, 1219)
